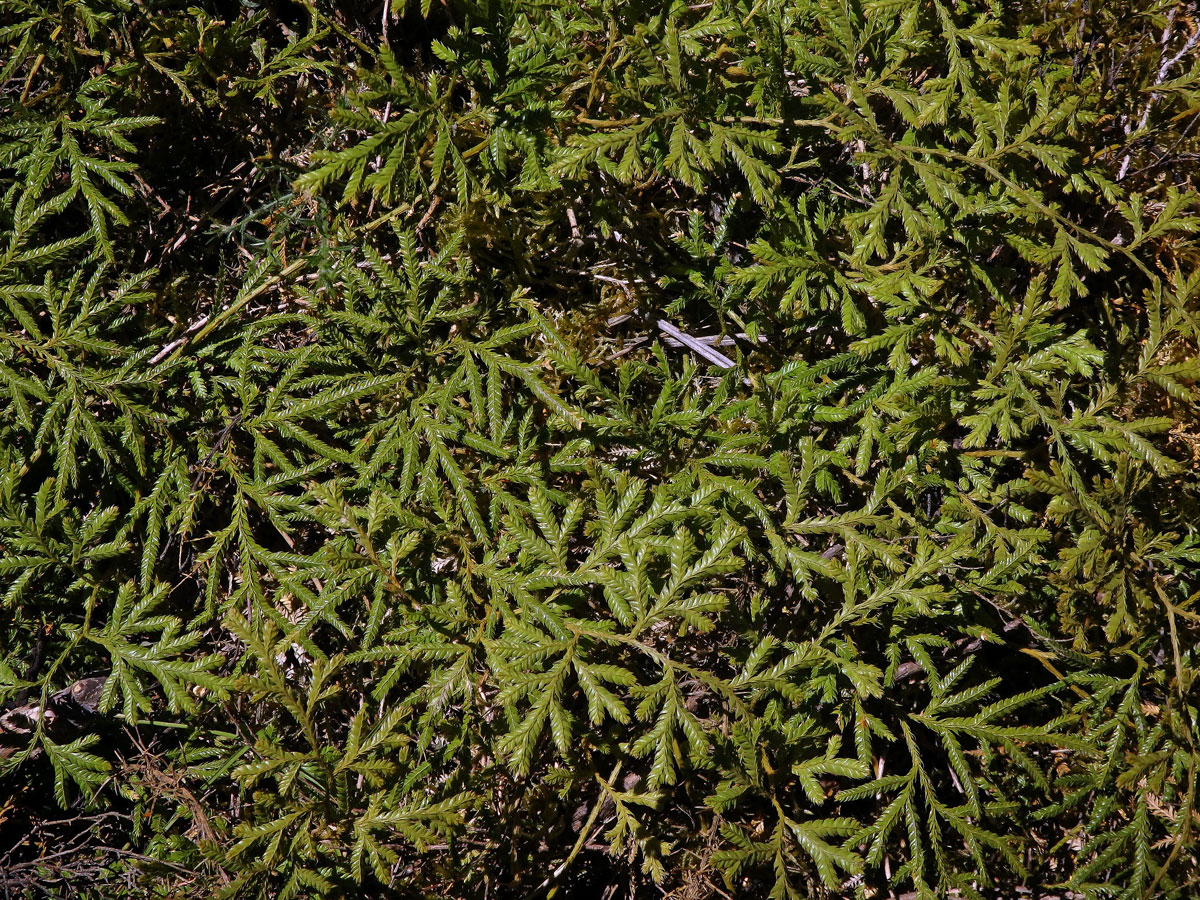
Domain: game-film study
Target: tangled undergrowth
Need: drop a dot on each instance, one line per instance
(524, 450)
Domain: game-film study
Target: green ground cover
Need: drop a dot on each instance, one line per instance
(599, 449)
